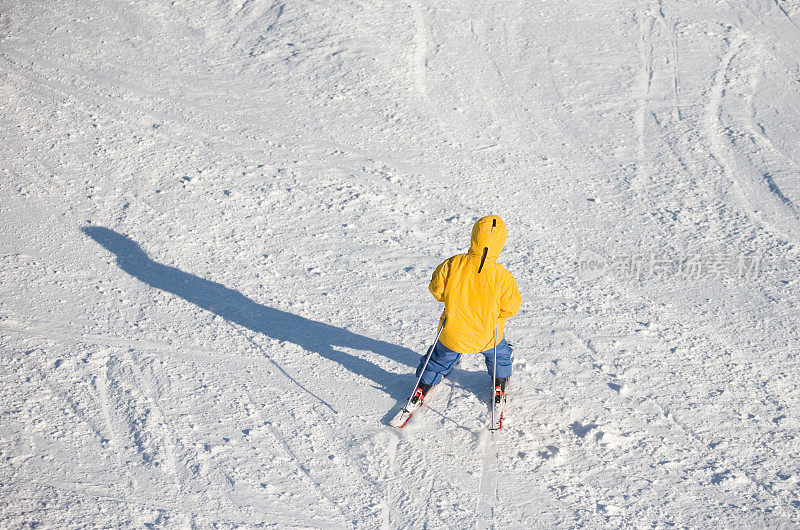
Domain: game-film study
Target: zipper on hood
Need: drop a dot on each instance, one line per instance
(483, 259)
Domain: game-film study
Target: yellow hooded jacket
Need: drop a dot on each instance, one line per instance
(476, 290)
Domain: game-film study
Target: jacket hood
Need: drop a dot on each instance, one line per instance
(488, 232)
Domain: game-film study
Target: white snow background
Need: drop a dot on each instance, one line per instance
(218, 221)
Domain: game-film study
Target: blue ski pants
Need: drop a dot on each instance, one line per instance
(444, 359)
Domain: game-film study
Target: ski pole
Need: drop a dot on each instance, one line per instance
(494, 372)
(430, 353)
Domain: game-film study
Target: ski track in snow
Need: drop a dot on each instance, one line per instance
(420, 51)
(487, 495)
(219, 222)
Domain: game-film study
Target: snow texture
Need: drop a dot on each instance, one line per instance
(219, 219)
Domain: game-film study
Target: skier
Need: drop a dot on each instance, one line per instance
(479, 295)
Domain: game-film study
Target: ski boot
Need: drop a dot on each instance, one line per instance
(420, 393)
(500, 389)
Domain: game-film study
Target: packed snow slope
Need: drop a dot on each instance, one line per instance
(218, 221)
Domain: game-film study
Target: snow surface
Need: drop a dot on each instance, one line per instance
(219, 220)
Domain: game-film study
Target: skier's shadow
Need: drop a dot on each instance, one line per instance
(233, 306)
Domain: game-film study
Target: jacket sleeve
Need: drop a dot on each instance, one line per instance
(439, 280)
(510, 300)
